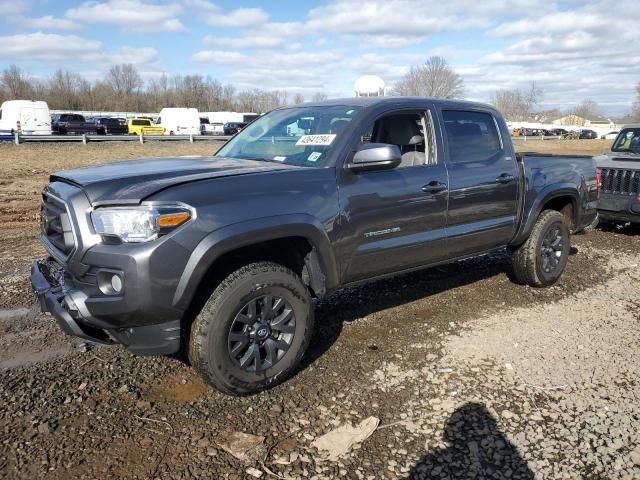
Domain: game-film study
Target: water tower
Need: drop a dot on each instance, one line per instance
(369, 86)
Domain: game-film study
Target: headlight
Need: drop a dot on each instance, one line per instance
(138, 224)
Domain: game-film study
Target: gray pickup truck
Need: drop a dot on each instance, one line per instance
(222, 255)
(619, 174)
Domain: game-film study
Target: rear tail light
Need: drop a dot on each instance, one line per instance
(18, 126)
(66, 125)
(598, 182)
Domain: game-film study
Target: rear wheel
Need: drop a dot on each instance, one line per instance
(253, 330)
(540, 261)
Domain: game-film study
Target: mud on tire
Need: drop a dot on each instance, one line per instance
(540, 261)
(224, 346)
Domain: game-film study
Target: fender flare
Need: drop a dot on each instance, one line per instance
(542, 198)
(242, 234)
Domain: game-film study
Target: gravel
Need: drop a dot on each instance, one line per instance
(470, 375)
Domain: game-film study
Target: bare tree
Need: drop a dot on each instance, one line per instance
(319, 97)
(517, 105)
(67, 90)
(16, 84)
(298, 98)
(124, 79)
(435, 78)
(123, 89)
(586, 110)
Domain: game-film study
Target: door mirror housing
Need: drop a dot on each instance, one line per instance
(375, 156)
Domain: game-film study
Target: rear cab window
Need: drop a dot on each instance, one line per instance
(471, 136)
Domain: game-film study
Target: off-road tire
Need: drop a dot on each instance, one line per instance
(208, 351)
(526, 259)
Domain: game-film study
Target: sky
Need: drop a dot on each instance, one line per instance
(573, 50)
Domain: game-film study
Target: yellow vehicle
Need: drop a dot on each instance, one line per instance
(143, 126)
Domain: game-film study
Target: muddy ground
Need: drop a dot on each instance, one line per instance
(470, 375)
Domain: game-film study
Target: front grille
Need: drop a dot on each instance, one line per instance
(56, 224)
(626, 182)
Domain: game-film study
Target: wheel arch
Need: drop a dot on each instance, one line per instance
(297, 241)
(562, 198)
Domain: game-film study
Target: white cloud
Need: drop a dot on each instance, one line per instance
(57, 49)
(133, 15)
(50, 47)
(203, 5)
(386, 40)
(239, 18)
(289, 70)
(408, 18)
(146, 56)
(13, 7)
(222, 57)
(47, 22)
(245, 42)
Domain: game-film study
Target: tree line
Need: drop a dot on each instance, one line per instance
(123, 89)
(436, 78)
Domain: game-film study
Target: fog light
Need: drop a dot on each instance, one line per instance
(116, 283)
(110, 282)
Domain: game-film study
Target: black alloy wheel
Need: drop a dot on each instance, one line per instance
(261, 333)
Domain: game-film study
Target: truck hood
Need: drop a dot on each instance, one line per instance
(132, 181)
(622, 160)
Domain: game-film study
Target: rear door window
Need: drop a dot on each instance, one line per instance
(471, 136)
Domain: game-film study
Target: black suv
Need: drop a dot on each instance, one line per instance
(231, 128)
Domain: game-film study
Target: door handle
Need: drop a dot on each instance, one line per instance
(434, 187)
(505, 178)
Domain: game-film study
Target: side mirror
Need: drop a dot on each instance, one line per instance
(375, 156)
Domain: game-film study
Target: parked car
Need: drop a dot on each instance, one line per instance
(232, 128)
(143, 126)
(560, 132)
(72, 123)
(206, 128)
(28, 117)
(586, 134)
(619, 171)
(610, 135)
(223, 254)
(111, 126)
(180, 121)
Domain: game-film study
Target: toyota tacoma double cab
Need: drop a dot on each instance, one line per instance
(619, 172)
(223, 255)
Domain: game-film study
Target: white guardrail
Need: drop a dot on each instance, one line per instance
(84, 138)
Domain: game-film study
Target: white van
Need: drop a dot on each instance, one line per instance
(25, 116)
(180, 121)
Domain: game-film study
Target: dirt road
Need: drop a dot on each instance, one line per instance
(465, 370)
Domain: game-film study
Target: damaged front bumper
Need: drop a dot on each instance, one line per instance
(68, 306)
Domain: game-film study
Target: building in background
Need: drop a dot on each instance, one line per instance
(598, 122)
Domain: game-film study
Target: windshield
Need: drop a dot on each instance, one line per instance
(296, 136)
(627, 141)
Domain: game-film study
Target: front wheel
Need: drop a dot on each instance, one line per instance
(253, 330)
(540, 261)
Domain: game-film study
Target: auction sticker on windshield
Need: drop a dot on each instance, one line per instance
(316, 140)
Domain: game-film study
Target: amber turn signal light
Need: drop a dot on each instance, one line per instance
(172, 220)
